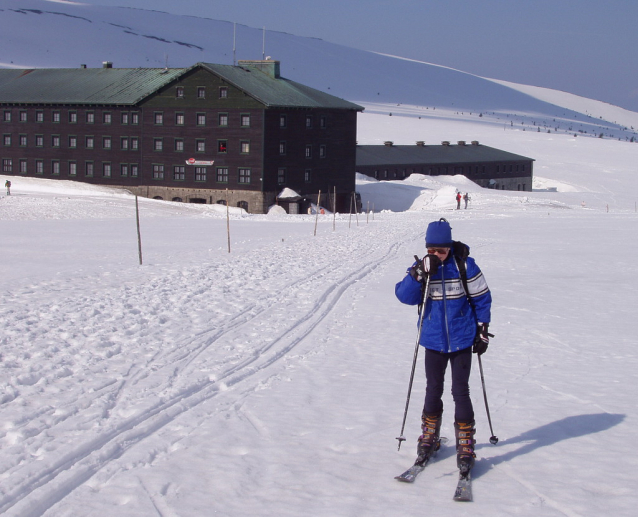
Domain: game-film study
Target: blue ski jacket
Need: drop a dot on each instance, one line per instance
(449, 322)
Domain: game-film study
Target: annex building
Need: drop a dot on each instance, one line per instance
(486, 166)
(209, 133)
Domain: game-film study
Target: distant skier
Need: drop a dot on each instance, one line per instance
(455, 324)
(458, 200)
(466, 198)
(8, 185)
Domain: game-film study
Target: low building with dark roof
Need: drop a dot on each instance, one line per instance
(208, 133)
(486, 166)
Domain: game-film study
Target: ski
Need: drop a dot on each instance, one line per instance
(463, 490)
(410, 475)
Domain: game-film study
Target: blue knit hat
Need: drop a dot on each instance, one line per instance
(438, 234)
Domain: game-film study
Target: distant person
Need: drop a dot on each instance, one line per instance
(8, 185)
(466, 198)
(454, 324)
(458, 200)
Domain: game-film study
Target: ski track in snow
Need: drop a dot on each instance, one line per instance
(128, 402)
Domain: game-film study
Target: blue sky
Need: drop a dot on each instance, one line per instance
(586, 47)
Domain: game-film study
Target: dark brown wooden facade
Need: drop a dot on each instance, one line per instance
(486, 166)
(201, 136)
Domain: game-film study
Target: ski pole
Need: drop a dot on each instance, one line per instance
(416, 353)
(493, 439)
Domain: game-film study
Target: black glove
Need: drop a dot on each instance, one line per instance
(482, 339)
(422, 268)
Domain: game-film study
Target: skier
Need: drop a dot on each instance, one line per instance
(455, 324)
(8, 185)
(458, 200)
(466, 198)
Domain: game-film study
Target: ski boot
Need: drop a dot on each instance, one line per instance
(429, 441)
(465, 441)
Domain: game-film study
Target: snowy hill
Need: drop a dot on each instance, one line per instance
(140, 38)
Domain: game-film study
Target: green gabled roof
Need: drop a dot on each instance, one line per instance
(276, 92)
(129, 86)
(378, 155)
(83, 85)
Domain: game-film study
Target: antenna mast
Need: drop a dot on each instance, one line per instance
(263, 45)
(234, 42)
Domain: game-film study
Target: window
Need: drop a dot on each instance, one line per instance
(281, 176)
(106, 117)
(55, 141)
(90, 117)
(308, 121)
(7, 116)
(223, 92)
(7, 140)
(222, 146)
(39, 140)
(200, 173)
(39, 116)
(244, 176)
(179, 119)
(159, 118)
(158, 172)
(245, 147)
(90, 142)
(245, 120)
(201, 92)
(39, 166)
(23, 140)
(55, 117)
(55, 167)
(322, 151)
(106, 170)
(135, 118)
(222, 175)
(23, 166)
(282, 121)
(135, 169)
(307, 176)
(73, 169)
(124, 118)
(135, 143)
(88, 169)
(124, 169)
(23, 116)
(200, 146)
(73, 141)
(106, 142)
(179, 92)
(223, 119)
(179, 173)
(309, 151)
(73, 117)
(158, 144)
(7, 165)
(323, 124)
(201, 119)
(282, 148)
(179, 145)
(124, 143)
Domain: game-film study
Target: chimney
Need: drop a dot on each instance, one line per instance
(420, 143)
(107, 64)
(461, 142)
(445, 143)
(267, 66)
(388, 143)
(475, 142)
(83, 66)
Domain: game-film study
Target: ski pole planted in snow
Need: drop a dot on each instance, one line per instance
(401, 438)
(493, 439)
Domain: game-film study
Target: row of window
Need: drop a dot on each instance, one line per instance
(159, 118)
(133, 144)
(132, 170)
(434, 171)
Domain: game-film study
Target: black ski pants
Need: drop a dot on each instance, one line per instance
(435, 367)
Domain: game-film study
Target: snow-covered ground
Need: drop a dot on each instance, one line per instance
(271, 380)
